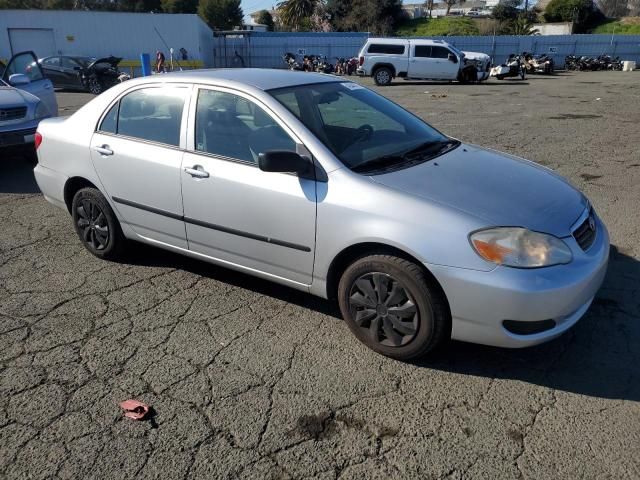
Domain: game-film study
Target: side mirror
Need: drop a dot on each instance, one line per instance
(285, 162)
(452, 58)
(19, 79)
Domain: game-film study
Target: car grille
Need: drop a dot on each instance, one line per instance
(12, 113)
(585, 234)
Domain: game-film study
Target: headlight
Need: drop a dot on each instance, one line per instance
(519, 247)
(41, 111)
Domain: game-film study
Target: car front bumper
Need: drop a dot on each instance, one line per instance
(18, 134)
(481, 301)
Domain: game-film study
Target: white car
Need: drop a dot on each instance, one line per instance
(387, 58)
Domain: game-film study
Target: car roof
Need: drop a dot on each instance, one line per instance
(405, 41)
(263, 79)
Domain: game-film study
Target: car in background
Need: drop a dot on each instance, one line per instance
(387, 58)
(26, 97)
(82, 73)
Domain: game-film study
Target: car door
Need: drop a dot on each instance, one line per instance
(234, 212)
(445, 68)
(71, 72)
(136, 152)
(53, 70)
(421, 63)
(26, 63)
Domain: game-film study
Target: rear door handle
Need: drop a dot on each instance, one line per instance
(197, 171)
(104, 150)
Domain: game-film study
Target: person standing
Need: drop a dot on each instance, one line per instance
(160, 60)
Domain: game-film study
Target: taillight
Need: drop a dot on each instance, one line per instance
(38, 139)
(361, 61)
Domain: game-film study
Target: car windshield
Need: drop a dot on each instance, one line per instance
(367, 132)
(84, 61)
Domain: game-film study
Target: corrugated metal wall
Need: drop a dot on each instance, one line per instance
(265, 50)
(112, 33)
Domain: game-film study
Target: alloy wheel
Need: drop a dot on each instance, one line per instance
(92, 224)
(383, 77)
(381, 305)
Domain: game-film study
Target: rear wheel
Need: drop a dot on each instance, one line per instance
(392, 307)
(382, 76)
(96, 224)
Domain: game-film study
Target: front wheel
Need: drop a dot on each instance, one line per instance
(393, 307)
(94, 86)
(96, 224)
(382, 76)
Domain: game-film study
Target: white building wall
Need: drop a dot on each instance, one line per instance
(122, 34)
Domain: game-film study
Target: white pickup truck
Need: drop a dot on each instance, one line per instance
(387, 58)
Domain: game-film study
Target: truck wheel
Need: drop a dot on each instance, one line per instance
(382, 76)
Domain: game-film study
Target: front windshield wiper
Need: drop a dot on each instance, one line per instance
(423, 152)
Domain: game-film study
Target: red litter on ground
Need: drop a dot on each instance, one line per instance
(134, 409)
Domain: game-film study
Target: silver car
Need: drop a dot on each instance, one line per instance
(322, 185)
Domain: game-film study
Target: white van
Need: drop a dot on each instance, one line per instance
(387, 58)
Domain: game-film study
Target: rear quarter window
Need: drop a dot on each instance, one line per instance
(386, 49)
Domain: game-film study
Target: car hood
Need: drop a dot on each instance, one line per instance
(113, 61)
(13, 97)
(476, 56)
(500, 189)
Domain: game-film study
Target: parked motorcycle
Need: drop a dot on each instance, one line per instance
(513, 67)
(538, 63)
(291, 61)
(583, 63)
(322, 65)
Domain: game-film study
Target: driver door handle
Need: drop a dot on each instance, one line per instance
(104, 150)
(197, 171)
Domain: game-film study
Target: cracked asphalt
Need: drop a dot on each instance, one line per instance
(252, 380)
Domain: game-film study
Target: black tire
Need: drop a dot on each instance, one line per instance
(94, 86)
(382, 76)
(500, 77)
(96, 224)
(411, 335)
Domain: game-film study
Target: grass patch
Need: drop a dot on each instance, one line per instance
(435, 27)
(626, 26)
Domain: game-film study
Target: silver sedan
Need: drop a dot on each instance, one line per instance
(323, 185)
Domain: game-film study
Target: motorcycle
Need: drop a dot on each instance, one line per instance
(322, 65)
(538, 63)
(291, 61)
(513, 67)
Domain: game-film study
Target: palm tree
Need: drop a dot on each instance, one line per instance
(428, 4)
(523, 26)
(293, 12)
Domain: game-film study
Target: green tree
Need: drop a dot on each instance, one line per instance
(522, 26)
(506, 10)
(580, 12)
(428, 4)
(376, 16)
(264, 17)
(179, 6)
(221, 14)
(296, 14)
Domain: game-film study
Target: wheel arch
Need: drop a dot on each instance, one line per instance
(353, 252)
(71, 187)
(378, 66)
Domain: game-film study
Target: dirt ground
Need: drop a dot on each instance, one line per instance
(252, 380)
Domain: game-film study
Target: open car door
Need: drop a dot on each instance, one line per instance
(24, 72)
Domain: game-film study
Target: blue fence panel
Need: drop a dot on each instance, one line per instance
(265, 49)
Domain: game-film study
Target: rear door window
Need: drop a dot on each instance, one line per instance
(386, 48)
(152, 114)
